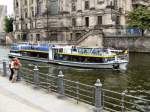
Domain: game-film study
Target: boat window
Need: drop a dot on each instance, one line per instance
(60, 50)
(83, 59)
(74, 49)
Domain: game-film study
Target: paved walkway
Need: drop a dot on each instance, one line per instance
(15, 97)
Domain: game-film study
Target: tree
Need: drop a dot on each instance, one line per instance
(139, 18)
(8, 24)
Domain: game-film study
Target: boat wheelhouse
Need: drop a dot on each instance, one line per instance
(72, 56)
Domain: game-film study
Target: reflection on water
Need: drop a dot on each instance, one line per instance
(136, 80)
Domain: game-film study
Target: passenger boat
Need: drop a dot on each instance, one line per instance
(72, 56)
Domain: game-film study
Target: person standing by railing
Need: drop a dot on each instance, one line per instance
(17, 65)
(11, 66)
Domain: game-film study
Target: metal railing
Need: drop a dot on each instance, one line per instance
(123, 32)
(100, 98)
(64, 87)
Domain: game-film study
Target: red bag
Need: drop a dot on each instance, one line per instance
(16, 63)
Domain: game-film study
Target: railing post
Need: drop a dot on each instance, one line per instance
(61, 88)
(98, 96)
(4, 68)
(18, 75)
(36, 76)
(147, 109)
(122, 102)
(77, 91)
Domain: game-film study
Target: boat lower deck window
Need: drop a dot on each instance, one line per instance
(82, 58)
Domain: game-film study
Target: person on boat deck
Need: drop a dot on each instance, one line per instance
(11, 66)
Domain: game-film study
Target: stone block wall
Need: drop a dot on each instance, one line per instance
(134, 44)
(92, 41)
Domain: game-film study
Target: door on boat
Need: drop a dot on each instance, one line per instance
(51, 54)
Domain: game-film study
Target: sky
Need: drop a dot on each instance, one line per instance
(9, 4)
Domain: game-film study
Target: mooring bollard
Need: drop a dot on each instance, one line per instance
(36, 76)
(98, 96)
(4, 68)
(61, 90)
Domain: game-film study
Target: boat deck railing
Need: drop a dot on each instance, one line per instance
(94, 95)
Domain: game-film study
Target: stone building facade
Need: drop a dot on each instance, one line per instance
(69, 20)
(3, 13)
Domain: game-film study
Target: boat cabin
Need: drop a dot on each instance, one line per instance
(86, 55)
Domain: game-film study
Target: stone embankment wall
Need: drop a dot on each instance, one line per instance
(135, 44)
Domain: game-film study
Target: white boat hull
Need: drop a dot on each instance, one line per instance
(109, 65)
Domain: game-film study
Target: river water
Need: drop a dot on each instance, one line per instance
(136, 79)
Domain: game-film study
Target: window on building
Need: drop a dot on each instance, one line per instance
(37, 37)
(99, 20)
(31, 1)
(25, 2)
(53, 37)
(17, 27)
(24, 37)
(17, 4)
(54, 7)
(100, 1)
(118, 20)
(115, 4)
(87, 21)
(26, 26)
(31, 37)
(39, 7)
(73, 6)
(71, 38)
(73, 21)
(60, 37)
(32, 12)
(18, 37)
(31, 25)
(87, 5)
(110, 4)
(26, 14)
(78, 35)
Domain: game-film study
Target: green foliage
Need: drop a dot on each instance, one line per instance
(139, 18)
(8, 24)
